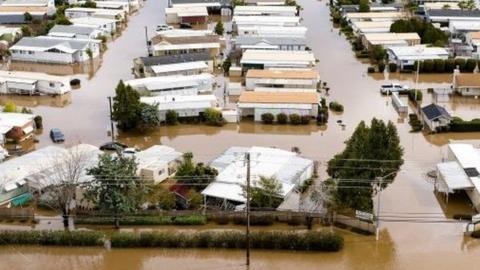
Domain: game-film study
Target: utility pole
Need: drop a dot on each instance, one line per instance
(111, 116)
(146, 40)
(377, 231)
(247, 159)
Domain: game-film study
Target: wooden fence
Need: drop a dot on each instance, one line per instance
(17, 213)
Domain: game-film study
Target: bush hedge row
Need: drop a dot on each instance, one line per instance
(446, 65)
(51, 238)
(145, 220)
(280, 240)
(459, 125)
(282, 118)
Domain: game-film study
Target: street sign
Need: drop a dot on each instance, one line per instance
(363, 215)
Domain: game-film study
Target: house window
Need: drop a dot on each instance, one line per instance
(51, 84)
(160, 172)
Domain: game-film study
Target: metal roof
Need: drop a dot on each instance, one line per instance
(433, 111)
(172, 59)
(43, 42)
(74, 29)
(253, 40)
(453, 13)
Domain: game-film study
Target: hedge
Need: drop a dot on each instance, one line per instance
(295, 119)
(276, 240)
(458, 125)
(282, 118)
(335, 106)
(51, 238)
(446, 65)
(145, 220)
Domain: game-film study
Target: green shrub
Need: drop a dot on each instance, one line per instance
(392, 67)
(458, 125)
(305, 119)
(276, 240)
(295, 119)
(414, 122)
(370, 69)
(213, 117)
(171, 117)
(470, 65)
(52, 238)
(381, 66)
(439, 65)
(322, 117)
(282, 118)
(411, 95)
(264, 220)
(449, 65)
(460, 63)
(267, 118)
(428, 65)
(335, 106)
(145, 220)
(38, 122)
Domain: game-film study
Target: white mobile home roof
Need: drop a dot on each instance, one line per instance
(166, 103)
(273, 31)
(418, 52)
(164, 82)
(10, 120)
(464, 26)
(179, 67)
(467, 157)
(185, 33)
(375, 15)
(266, 20)
(156, 154)
(273, 56)
(454, 176)
(188, 46)
(287, 167)
(102, 11)
(375, 26)
(92, 21)
(265, 10)
(187, 11)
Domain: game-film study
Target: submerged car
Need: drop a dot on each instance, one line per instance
(56, 135)
(393, 87)
(163, 27)
(113, 146)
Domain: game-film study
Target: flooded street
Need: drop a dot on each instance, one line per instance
(406, 242)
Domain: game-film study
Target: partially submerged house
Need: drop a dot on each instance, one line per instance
(390, 39)
(186, 106)
(226, 192)
(460, 172)
(45, 49)
(285, 21)
(272, 31)
(266, 59)
(16, 126)
(160, 45)
(282, 80)
(259, 102)
(263, 10)
(364, 27)
(187, 68)
(107, 26)
(186, 14)
(269, 43)
(173, 85)
(444, 16)
(435, 117)
(466, 84)
(213, 6)
(13, 11)
(374, 16)
(80, 12)
(157, 163)
(405, 56)
(142, 66)
(33, 83)
(74, 31)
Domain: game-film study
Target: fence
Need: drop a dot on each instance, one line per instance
(354, 223)
(17, 213)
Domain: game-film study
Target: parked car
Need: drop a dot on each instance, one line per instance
(129, 152)
(185, 26)
(163, 27)
(393, 87)
(56, 135)
(113, 146)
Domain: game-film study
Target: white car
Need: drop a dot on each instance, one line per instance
(163, 27)
(393, 87)
(129, 152)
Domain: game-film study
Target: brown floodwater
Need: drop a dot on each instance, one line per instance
(415, 235)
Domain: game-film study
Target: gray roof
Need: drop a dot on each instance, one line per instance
(356, 8)
(223, 2)
(25, 2)
(433, 111)
(252, 40)
(173, 59)
(45, 42)
(453, 13)
(83, 30)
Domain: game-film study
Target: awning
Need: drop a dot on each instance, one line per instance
(22, 199)
(452, 177)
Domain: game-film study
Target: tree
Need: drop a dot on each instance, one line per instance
(160, 196)
(378, 53)
(227, 63)
(190, 173)
(89, 4)
(10, 107)
(115, 188)
(219, 29)
(266, 193)
(370, 153)
(427, 32)
(26, 31)
(126, 104)
(195, 199)
(62, 20)
(364, 6)
(27, 17)
(65, 173)
(213, 117)
(467, 5)
(148, 116)
(89, 52)
(171, 117)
